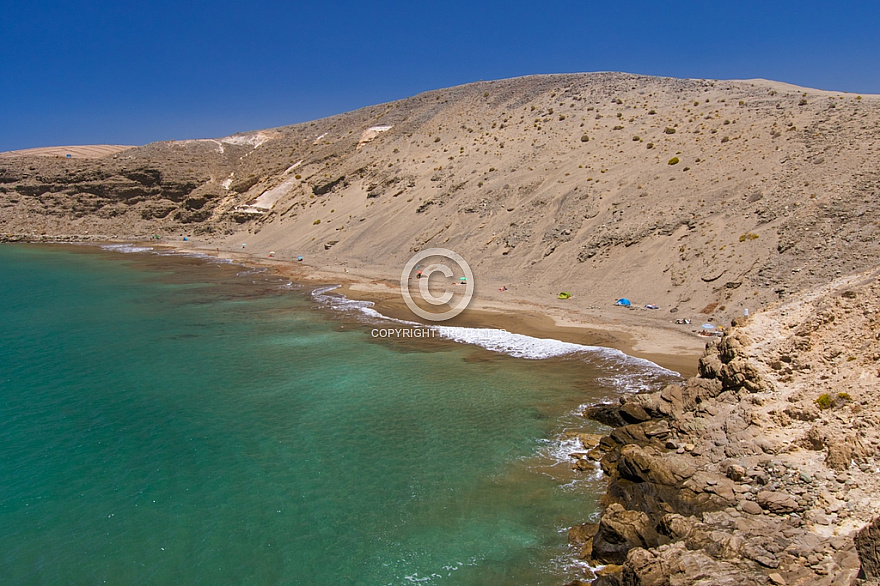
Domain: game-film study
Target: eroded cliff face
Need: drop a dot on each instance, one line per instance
(763, 470)
(696, 195)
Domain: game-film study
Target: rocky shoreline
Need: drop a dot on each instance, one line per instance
(54, 238)
(764, 469)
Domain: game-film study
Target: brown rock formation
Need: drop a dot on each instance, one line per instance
(767, 471)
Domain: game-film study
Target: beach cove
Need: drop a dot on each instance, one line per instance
(277, 437)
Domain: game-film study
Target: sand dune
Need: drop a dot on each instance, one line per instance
(88, 151)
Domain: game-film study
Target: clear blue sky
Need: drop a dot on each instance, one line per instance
(87, 71)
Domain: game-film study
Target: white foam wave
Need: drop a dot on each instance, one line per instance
(127, 248)
(516, 345)
(571, 566)
(194, 254)
(559, 450)
(341, 303)
(250, 271)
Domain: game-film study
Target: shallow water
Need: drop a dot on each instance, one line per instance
(175, 420)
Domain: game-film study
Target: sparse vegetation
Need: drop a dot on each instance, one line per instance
(673, 161)
(824, 401)
(669, 130)
(748, 236)
(585, 138)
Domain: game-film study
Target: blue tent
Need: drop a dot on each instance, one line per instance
(623, 301)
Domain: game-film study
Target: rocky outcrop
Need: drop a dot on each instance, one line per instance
(762, 470)
(868, 544)
(619, 531)
(110, 195)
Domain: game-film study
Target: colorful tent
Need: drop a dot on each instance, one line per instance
(623, 301)
(564, 295)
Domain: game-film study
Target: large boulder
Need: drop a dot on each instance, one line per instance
(606, 413)
(621, 530)
(634, 413)
(581, 536)
(740, 372)
(641, 433)
(780, 503)
(639, 465)
(675, 564)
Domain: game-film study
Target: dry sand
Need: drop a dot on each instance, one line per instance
(637, 332)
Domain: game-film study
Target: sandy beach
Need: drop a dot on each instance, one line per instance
(637, 332)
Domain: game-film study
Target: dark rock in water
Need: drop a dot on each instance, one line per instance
(868, 545)
(581, 534)
(620, 531)
(608, 578)
(633, 413)
(608, 414)
(641, 433)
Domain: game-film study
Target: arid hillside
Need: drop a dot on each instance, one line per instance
(694, 195)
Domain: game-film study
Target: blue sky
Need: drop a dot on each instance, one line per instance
(84, 72)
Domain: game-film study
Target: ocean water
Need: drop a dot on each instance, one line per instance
(167, 419)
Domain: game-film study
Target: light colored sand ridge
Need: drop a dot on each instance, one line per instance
(88, 151)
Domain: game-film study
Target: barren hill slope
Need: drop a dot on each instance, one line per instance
(691, 194)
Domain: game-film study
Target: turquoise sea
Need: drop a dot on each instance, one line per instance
(167, 419)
